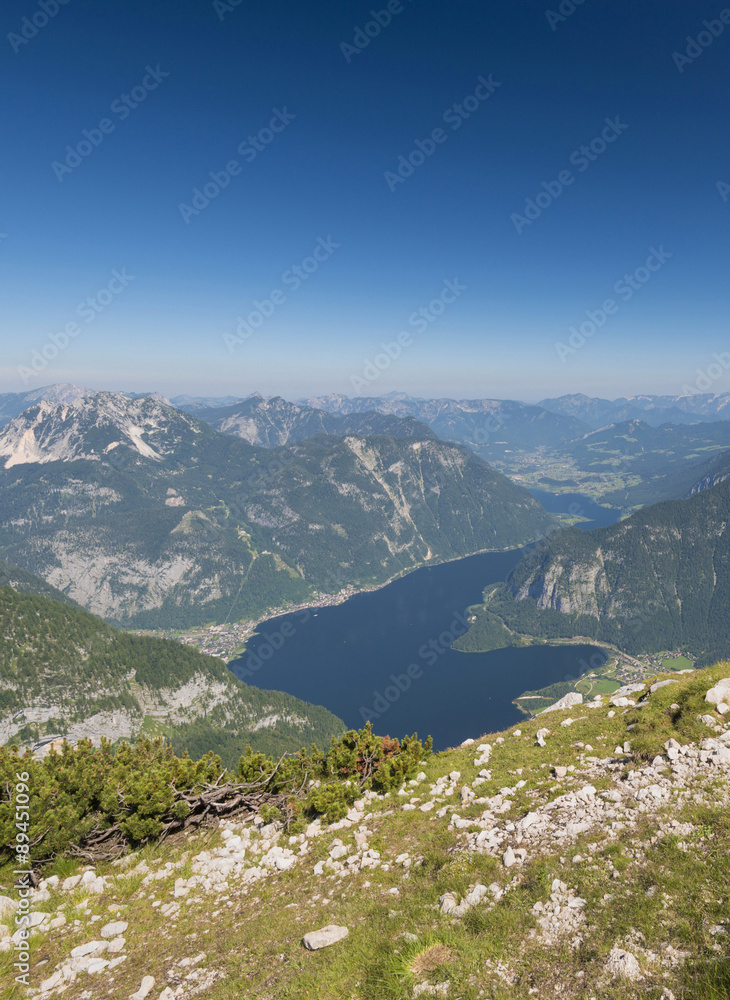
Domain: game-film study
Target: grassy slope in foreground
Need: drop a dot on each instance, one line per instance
(638, 844)
(63, 670)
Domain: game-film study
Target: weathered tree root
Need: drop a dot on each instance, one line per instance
(214, 802)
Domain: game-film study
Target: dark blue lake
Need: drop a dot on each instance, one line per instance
(385, 656)
(579, 506)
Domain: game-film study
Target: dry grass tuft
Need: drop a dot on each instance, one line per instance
(428, 961)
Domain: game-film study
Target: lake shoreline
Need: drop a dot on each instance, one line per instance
(235, 636)
(338, 599)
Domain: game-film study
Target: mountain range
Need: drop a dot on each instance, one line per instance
(686, 408)
(275, 421)
(149, 517)
(491, 428)
(13, 403)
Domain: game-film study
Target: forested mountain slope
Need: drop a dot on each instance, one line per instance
(670, 460)
(658, 580)
(63, 670)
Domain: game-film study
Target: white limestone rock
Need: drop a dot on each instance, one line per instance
(325, 937)
(145, 988)
(114, 929)
(623, 965)
(661, 684)
(90, 948)
(567, 701)
(52, 982)
(719, 693)
(448, 902)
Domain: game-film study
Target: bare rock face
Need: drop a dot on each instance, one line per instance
(325, 937)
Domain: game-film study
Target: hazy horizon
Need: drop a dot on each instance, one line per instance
(195, 393)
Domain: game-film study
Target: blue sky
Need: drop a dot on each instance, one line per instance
(312, 123)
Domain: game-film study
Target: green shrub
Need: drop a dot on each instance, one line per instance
(87, 790)
(87, 798)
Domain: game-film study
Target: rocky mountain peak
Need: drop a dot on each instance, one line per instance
(89, 427)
